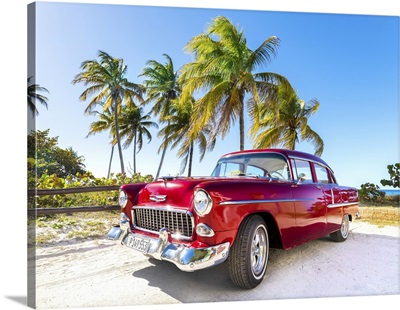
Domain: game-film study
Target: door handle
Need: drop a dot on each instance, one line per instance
(318, 187)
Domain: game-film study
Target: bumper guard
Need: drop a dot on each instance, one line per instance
(185, 258)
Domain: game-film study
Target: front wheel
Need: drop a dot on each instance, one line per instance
(248, 257)
(342, 234)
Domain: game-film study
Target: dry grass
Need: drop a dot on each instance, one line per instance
(68, 228)
(380, 216)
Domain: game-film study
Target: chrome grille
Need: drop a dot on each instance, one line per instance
(179, 223)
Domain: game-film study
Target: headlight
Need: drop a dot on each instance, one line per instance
(122, 199)
(202, 202)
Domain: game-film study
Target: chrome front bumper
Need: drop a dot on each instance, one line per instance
(161, 248)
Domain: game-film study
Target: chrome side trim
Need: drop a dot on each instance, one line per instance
(162, 208)
(344, 204)
(311, 160)
(237, 202)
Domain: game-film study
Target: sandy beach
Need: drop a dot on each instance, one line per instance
(99, 273)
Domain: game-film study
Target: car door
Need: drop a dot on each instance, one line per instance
(310, 204)
(333, 197)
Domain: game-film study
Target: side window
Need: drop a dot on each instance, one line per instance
(231, 169)
(322, 174)
(255, 171)
(302, 170)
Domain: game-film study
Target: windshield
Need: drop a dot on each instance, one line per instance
(261, 165)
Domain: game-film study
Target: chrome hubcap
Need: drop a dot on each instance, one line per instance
(259, 251)
(345, 227)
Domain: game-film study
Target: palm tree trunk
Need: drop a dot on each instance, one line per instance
(162, 155)
(109, 165)
(190, 160)
(121, 159)
(161, 161)
(241, 126)
(294, 139)
(134, 153)
(293, 147)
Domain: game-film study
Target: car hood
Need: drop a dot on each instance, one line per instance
(177, 192)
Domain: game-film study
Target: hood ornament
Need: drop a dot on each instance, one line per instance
(158, 198)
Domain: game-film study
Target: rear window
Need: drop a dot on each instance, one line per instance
(322, 174)
(302, 171)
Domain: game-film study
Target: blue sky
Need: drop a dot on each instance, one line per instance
(349, 62)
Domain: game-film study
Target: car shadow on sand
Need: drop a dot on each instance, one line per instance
(313, 262)
(214, 284)
(198, 286)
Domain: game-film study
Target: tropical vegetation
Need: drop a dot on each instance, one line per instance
(46, 157)
(52, 167)
(284, 122)
(161, 87)
(372, 193)
(223, 69)
(177, 133)
(196, 104)
(394, 174)
(86, 179)
(135, 125)
(34, 96)
(199, 102)
(107, 82)
(105, 122)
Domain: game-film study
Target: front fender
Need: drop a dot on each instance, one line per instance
(234, 200)
(132, 190)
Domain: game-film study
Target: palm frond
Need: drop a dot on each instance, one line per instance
(312, 137)
(264, 53)
(33, 96)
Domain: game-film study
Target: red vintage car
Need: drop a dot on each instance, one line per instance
(252, 201)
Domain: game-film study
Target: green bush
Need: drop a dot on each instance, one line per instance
(391, 200)
(87, 179)
(370, 192)
(394, 173)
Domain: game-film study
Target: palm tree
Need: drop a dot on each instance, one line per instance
(33, 95)
(69, 162)
(105, 122)
(134, 125)
(178, 129)
(223, 70)
(285, 122)
(161, 85)
(108, 83)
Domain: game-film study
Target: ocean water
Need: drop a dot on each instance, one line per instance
(391, 192)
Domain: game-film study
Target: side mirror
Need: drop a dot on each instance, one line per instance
(302, 177)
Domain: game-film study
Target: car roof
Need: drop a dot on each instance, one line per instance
(285, 152)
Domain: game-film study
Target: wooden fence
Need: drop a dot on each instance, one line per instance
(66, 191)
